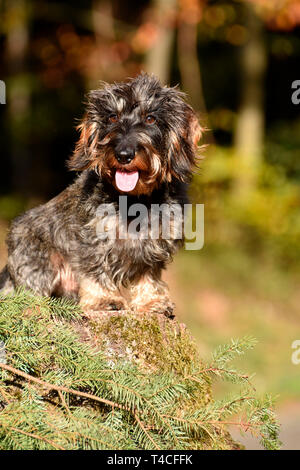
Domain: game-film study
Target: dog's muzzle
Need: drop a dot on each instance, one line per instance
(125, 155)
(126, 180)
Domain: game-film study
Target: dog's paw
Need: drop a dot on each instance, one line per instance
(115, 304)
(159, 305)
(105, 304)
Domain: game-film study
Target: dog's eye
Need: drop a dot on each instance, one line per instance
(150, 119)
(113, 118)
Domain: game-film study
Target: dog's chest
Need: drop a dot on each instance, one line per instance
(120, 245)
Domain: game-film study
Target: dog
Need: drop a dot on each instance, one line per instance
(137, 139)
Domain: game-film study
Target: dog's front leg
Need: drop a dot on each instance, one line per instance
(100, 296)
(151, 295)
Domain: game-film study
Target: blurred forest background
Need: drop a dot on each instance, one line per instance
(236, 60)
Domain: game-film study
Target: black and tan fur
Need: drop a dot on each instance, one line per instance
(53, 249)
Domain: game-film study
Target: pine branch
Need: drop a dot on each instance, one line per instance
(138, 384)
(49, 386)
(34, 436)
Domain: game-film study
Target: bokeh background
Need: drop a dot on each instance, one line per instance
(236, 60)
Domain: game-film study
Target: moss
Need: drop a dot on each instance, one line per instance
(157, 344)
(153, 342)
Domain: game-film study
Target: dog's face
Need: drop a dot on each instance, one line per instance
(137, 135)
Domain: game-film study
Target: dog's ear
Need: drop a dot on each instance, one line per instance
(183, 148)
(85, 153)
(194, 130)
(85, 149)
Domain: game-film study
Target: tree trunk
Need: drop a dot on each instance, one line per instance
(189, 64)
(158, 59)
(18, 92)
(249, 133)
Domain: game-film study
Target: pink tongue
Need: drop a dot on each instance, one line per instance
(126, 181)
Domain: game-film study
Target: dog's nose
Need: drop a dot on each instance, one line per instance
(125, 155)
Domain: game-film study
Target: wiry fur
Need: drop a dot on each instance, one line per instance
(54, 249)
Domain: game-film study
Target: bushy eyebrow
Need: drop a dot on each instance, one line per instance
(160, 102)
(135, 105)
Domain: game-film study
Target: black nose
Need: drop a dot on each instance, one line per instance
(125, 155)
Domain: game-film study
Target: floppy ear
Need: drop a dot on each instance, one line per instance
(85, 149)
(194, 131)
(183, 148)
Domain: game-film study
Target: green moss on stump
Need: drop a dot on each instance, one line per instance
(153, 342)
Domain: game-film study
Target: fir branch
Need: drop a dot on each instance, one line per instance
(34, 436)
(58, 388)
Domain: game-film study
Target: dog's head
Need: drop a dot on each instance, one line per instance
(137, 135)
